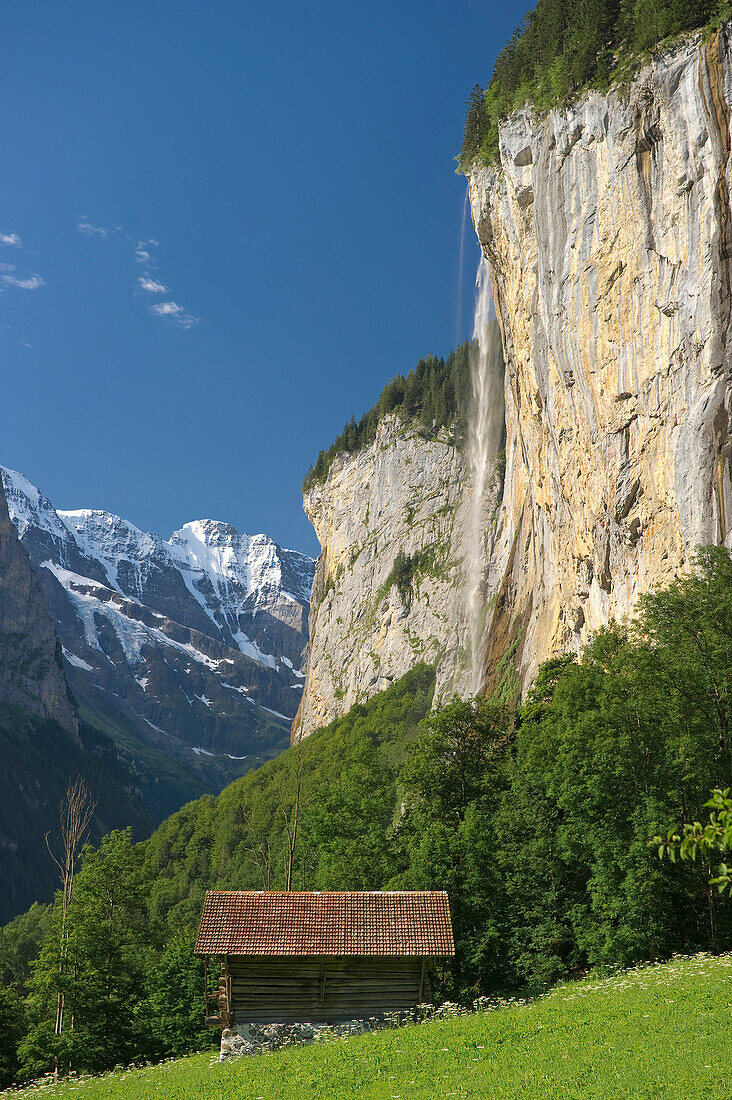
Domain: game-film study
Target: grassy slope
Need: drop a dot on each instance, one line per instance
(657, 1032)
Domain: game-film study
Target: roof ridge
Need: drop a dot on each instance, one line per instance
(315, 922)
(331, 893)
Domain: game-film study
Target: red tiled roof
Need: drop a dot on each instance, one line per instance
(240, 922)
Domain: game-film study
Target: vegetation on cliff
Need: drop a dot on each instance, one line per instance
(434, 395)
(564, 46)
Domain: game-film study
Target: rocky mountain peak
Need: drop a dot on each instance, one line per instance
(198, 640)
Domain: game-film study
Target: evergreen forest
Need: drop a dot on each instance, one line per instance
(565, 46)
(434, 395)
(539, 818)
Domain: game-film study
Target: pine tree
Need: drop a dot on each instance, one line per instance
(474, 123)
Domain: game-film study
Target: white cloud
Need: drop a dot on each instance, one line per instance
(141, 254)
(173, 312)
(7, 267)
(146, 283)
(167, 309)
(10, 238)
(85, 226)
(31, 283)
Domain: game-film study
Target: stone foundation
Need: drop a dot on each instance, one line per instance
(244, 1039)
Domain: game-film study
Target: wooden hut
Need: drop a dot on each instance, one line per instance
(320, 957)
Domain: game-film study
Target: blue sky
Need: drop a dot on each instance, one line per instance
(223, 227)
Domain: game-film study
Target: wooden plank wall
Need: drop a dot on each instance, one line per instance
(322, 990)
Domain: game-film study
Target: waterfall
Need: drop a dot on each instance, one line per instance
(459, 334)
(485, 431)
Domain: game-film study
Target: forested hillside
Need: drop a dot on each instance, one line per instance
(536, 819)
(135, 989)
(561, 48)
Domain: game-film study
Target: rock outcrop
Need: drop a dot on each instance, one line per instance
(608, 233)
(607, 227)
(401, 494)
(31, 673)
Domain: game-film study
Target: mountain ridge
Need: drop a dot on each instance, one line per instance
(195, 643)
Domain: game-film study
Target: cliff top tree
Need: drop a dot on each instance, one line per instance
(564, 46)
(436, 394)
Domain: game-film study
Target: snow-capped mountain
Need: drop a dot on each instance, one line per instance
(196, 642)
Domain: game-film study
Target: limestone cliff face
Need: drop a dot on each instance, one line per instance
(608, 232)
(401, 493)
(31, 676)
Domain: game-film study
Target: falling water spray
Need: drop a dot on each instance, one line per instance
(459, 333)
(484, 439)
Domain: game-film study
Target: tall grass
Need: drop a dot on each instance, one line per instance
(656, 1032)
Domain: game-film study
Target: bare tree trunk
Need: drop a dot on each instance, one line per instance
(262, 856)
(75, 814)
(295, 819)
(291, 816)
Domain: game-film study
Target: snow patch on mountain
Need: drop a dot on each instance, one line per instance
(251, 649)
(193, 641)
(276, 713)
(231, 576)
(77, 662)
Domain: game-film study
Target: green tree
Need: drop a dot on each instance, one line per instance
(104, 940)
(172, 1013)
(20, 943)
(706, 840)
(348, 826)
(689, 625)
(624, 744)
(452, 781)
(475, 123)
(12, 1029)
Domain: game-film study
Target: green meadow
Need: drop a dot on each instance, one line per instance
(661, 1031)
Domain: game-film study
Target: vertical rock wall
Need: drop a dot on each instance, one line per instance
(607, 229)
(31, 676)
(401, 493)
